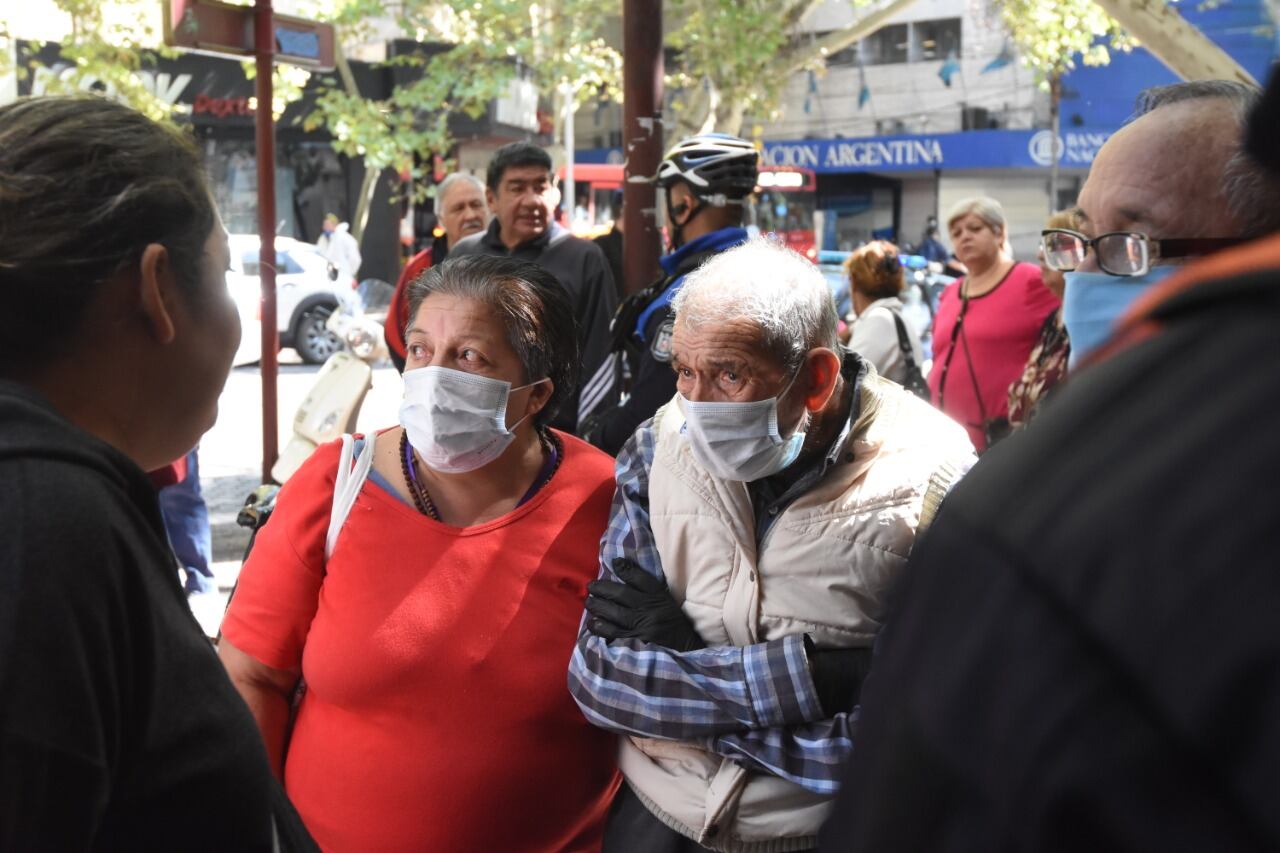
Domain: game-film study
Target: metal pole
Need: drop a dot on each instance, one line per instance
(1055, 123)
(264, 47)
(642, 139)
(570, 140)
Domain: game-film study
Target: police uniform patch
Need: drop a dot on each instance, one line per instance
(661, 347)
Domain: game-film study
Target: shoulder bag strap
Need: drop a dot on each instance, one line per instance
(904, 342)
(347, 485)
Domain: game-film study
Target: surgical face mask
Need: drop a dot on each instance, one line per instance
(457, 421)
(1094, 301)
(740, 441)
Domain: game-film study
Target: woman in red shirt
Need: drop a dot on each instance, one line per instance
(987, 323)
(434, 637)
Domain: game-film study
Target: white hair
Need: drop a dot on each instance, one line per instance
(442, 189)
(769, 285)
(984, 207)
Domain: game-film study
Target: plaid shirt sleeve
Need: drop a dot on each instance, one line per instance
(637, 688)
(813, 755)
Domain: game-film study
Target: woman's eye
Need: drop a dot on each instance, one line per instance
(417, 351)
(470, 355)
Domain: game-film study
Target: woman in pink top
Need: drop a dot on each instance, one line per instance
(986, 324)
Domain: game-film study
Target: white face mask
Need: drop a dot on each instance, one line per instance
(740, 441)
(457, 421)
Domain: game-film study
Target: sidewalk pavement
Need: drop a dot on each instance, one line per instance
(231, 459)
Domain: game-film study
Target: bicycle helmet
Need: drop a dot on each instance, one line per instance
(712, 164)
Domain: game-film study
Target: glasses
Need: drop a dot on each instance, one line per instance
(1125, 253)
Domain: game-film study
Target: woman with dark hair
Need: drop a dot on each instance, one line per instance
(118, 729)
(429, 599)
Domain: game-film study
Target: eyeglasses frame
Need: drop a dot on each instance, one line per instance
(1171, 248)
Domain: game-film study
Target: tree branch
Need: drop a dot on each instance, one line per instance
(796, 12)
(800, 54)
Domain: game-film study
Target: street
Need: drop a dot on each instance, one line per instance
(231, 456)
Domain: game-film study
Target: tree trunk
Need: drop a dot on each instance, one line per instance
(368, 186)
(729, 116)
(699, 114)
(1184, 49)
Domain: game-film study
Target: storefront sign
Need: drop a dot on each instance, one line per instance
(979, 149)
(210, 90)
(976, 149)
(171, 88)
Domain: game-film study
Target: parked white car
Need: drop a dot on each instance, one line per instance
(307, 292)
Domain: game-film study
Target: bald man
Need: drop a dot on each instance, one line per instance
(1084, 656)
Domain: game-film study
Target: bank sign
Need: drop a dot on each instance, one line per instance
(977, 149)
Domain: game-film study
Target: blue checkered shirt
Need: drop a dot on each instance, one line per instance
(756, 704)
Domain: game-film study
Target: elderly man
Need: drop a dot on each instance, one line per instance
(1149, 203)
(1086, 656)
(521, 191)
(761, 519)
(460, 212)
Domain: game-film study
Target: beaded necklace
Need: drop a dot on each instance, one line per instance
(422, 498)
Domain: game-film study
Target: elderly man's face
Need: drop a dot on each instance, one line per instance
(726, 362)
(1162, 175)
(462, 211)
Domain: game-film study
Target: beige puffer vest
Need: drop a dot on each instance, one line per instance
(824, 569)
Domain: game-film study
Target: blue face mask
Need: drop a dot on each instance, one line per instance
(1094, 301)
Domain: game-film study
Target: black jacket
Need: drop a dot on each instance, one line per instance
(641, 334)
(119, 729)
(1087, 653)
(581, 268)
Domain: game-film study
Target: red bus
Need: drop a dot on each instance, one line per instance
(783, 205)
(594, 186)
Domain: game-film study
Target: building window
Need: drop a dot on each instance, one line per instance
(935, 40)
(886, 46)
(845, 56)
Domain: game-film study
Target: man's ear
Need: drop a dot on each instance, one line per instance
(822, 367)
(490, 198)
(157, 287)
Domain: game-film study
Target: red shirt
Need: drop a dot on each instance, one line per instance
(398, 309)
(999, 330)
(437, 715)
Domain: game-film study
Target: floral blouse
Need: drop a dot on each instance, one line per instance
(1046, 367)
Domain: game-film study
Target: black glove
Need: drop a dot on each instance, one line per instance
(838, 675)
(641, 607)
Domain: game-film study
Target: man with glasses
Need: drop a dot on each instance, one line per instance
(1085, 655)
(1171, 185)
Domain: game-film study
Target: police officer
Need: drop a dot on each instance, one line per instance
(705, 181)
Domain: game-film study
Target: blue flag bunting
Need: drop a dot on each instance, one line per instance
(949, 68)
(1003, 58)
